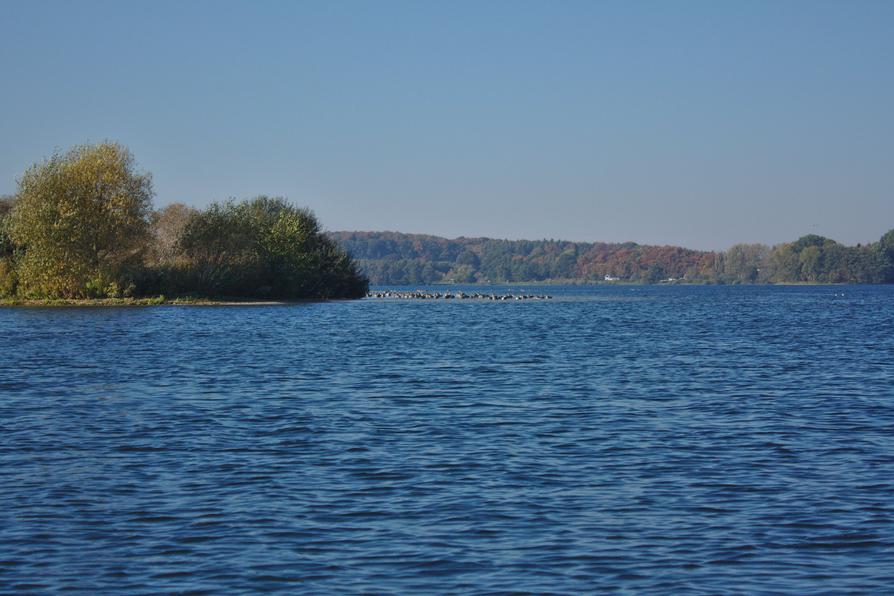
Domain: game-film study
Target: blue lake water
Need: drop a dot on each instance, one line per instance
(660, 439)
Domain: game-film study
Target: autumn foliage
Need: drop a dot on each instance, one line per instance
(394, 258)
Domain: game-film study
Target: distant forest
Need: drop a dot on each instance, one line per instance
(395, 258)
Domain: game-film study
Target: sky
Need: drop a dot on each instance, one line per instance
(694, 123)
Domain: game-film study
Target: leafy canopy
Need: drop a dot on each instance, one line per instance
(264, 247)
(82, 219)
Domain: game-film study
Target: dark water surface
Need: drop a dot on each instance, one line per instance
(665, 439)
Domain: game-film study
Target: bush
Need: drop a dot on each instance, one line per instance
(264, 247)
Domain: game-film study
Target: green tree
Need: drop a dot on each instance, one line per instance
(263, 247)
(82, 219)
(811, 263)
(467, 257)
(886, 252)
(6, 245)
(6, 205)
(8, 277)
(744, 263)
(785, 263)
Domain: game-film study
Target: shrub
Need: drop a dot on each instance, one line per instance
(262, 247)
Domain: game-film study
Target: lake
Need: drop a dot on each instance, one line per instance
(647, 439)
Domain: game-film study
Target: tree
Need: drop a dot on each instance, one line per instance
(786, 264)
(467, 257)
(263, 247)
(744, 263)
(811, 259)
(6, 244)
(8, 277)
(886, 250)
(6, 205)
(82, 219)
(167, 227)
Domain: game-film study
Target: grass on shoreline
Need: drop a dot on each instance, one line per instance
(146, 301)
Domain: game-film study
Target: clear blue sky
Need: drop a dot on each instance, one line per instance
(681, 122)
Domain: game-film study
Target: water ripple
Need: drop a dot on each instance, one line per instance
(657, 439)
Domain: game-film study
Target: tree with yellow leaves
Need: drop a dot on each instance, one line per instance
(81, 219)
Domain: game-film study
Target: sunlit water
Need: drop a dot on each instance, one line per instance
(664, 439)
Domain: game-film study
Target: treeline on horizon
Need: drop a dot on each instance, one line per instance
(391, 258)
(81, 225)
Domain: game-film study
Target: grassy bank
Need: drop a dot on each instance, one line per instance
(147, 301)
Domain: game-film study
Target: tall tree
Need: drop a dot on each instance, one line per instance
(82, 218)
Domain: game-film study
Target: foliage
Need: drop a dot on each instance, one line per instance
(262, 247)
(82, 219)
(393, 258)
(82, 226)
(6, 244)
(8, 276)
(886, 255)
(167, 227)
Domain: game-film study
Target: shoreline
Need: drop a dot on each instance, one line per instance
(619, 284)
(374, 293)
(153, 301)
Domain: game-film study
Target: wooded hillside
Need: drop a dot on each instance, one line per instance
(395, 258)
